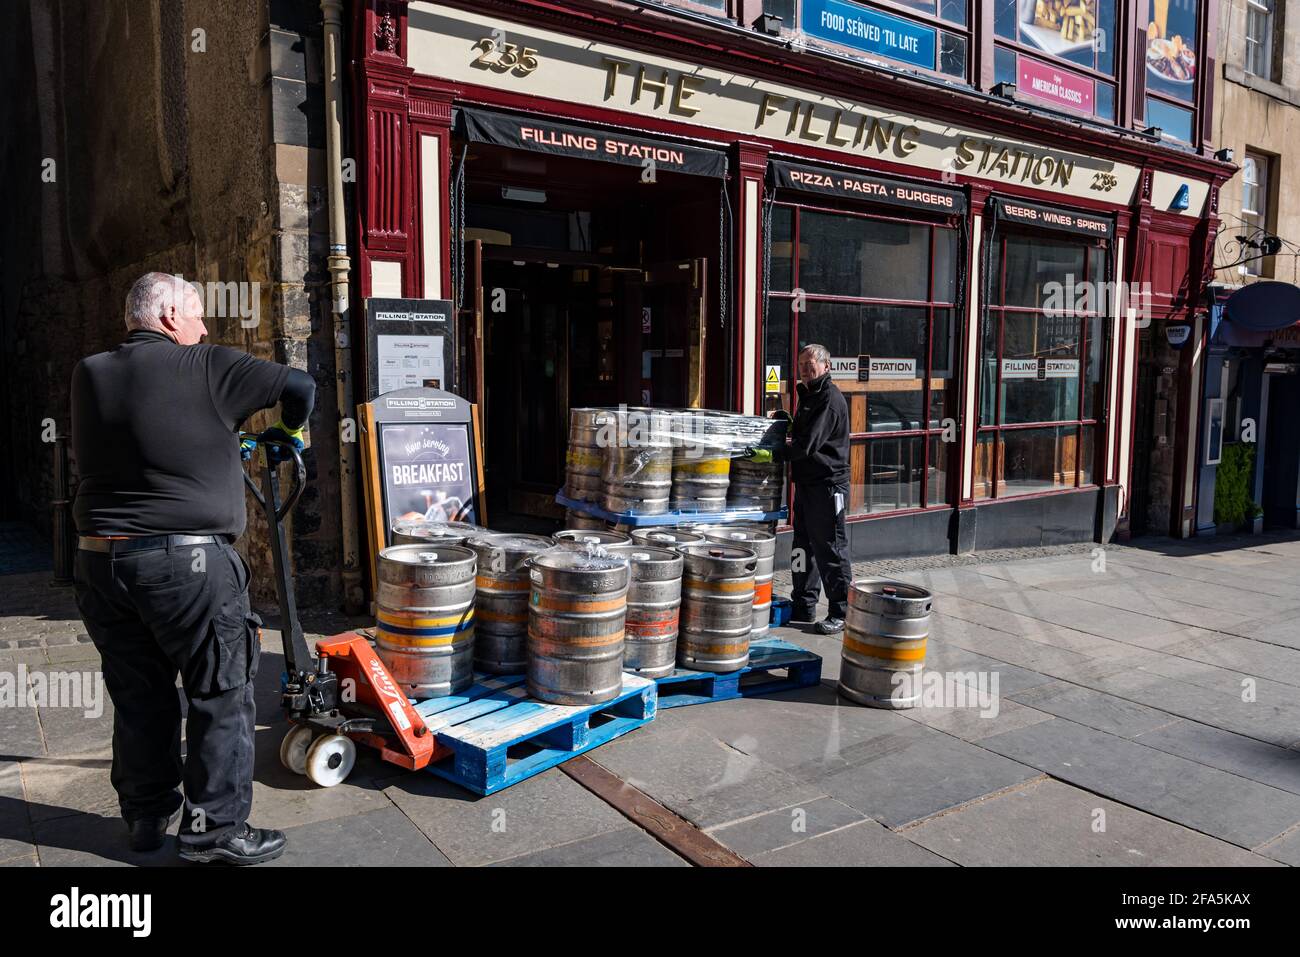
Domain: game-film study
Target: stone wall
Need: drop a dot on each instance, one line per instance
(186, 137)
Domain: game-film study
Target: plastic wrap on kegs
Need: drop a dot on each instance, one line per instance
(583, 537)
(575, 626)
(885, 633)
(654, 600)
(764, 545)
(502, 603)
(717, 606)
(665, 536)
(638, 468)
(421, 532)
(576, 519)
(755, 485)
(584, 459)
(425, 611)
(702, 451)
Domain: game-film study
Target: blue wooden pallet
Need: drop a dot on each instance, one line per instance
(803, 669)
(634, 520)
(494, 735)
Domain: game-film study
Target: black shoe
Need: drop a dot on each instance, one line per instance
(829, 626)
(802, 615)
(149, 833)
(244, 845)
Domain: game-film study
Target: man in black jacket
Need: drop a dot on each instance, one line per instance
(159, 584)
(818, 453)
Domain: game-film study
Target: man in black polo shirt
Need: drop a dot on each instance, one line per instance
(818, 453)
(159, 585)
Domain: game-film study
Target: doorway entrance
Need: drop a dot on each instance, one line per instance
(1281, 492)
(593, 288)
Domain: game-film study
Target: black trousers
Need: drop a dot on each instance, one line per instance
(153, 615)
(820, 550)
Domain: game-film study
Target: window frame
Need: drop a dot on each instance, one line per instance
(1257, 219)
(1259, 11)
(797, 204)
(1099, 422)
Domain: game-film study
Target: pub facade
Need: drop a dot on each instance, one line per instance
(987, 212)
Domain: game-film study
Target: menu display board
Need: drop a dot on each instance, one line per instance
(421, 459)
(411, 344)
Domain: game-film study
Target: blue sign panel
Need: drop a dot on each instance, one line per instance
(870, 31)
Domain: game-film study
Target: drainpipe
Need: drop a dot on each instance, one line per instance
(339, 265)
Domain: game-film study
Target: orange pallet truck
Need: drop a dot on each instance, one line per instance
(343, 695)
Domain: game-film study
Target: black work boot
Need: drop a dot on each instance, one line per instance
(147, 834)
(243, 845)
(829, 626)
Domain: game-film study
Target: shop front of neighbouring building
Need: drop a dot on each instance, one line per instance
(633, 216)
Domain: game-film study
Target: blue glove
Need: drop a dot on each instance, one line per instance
(280, 432)
(247, 446)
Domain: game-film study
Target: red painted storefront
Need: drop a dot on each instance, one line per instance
(414, 64)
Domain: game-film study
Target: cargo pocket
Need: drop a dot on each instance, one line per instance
(231, 658)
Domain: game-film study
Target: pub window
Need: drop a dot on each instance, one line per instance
(879, 289)
(1061, 53)
(1042, 353)
(1172, 65)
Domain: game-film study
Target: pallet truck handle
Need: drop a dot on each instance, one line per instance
(297, 654)
(299, 475)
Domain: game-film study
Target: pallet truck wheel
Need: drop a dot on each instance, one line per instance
(294, 747)
(330, 760)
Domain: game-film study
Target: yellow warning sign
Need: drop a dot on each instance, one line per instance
(772, 380)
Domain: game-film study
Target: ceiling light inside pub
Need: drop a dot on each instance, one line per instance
(521, 195)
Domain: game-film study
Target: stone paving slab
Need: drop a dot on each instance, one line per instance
(1095, 709)
(1243, 655)
(919, 772)
(699, 777)
(1214, 802)
(790, 825)
(1219, 705)
(973, 723)
(942, 656)
(97, 840)
(1048, 823)
(809, 732)
(16, 839)
(63, 785)
(380, 838)
(1235, 753)
(866, 844)
(533, 815)
(1285, 849)
(626, 847)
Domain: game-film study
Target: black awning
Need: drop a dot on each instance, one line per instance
(1024, 213)
(831, 181)
(1264, 306)
(586, 142)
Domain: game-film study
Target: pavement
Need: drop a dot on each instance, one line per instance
(1141, 707)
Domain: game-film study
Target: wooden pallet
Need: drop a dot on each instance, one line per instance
(494, 735)
(802, 670)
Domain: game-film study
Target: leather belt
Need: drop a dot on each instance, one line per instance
(118, 546)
